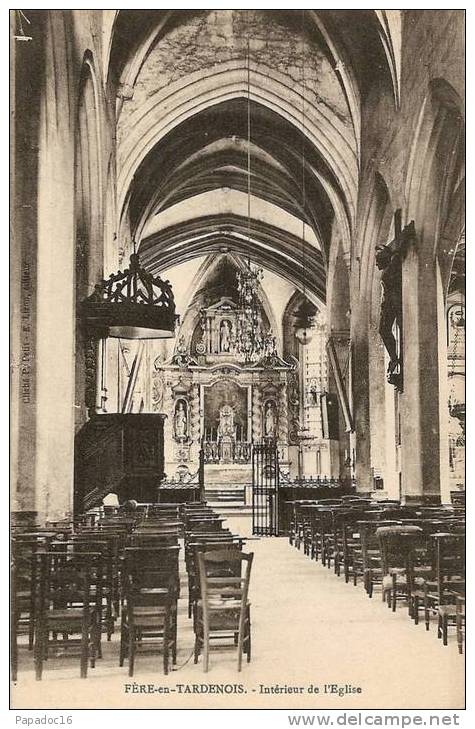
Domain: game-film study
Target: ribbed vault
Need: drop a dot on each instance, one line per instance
(238, 124)
(276, 250)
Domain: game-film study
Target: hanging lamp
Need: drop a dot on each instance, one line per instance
(305, 314)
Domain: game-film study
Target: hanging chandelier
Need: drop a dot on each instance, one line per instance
(305, 322)
(250, 341)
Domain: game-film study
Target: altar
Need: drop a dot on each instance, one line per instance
(218, 405)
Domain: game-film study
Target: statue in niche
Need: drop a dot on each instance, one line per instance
(389, 260)
(269, 421)
(181, 421)
(226, 434)
(225, 336)
(313, 393)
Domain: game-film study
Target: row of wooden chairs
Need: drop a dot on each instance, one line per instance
(414, 555)
(218, 585)
(81, 572)
(73, 580)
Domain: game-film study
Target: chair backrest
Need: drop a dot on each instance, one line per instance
(153, 539)
(204, 523)
(217, 534)
(143, 561)
(367, 529)
(66, 581)
(151, 575)
(397, 544)
(449, 561)
(220, 573)
(228, 545)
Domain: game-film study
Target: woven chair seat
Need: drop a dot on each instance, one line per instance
(448, 610)
(401, 581)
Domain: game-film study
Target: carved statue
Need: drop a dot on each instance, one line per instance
(226, 425)
(269, 421)
(180, 422)
(389, 261)
(225, 336)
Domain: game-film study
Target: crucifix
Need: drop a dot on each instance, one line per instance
(389, 258)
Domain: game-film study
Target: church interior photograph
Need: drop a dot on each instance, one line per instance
(237, 358)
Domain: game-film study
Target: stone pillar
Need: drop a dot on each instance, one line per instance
(360, 405)
(382, 398)
(420, 425)
(443, 393)
(56, 289)
(25, 66)
(348, 441)
(377, 399)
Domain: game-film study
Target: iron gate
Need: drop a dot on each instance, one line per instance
(265, 483)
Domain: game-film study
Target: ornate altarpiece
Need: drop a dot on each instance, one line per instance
(215, 401)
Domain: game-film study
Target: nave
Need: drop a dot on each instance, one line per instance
(238, 286)
(309, 628)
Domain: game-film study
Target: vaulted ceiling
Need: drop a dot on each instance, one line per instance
(287, 133)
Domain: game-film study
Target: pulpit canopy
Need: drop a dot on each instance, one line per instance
(131, 304)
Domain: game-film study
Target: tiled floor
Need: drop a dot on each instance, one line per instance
(310, 631)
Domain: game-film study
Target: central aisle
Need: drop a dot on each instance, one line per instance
(308, 628)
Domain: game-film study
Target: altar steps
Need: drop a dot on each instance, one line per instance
(227, 498)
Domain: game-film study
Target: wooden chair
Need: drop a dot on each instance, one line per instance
(326, 533)
(69, 603)
(367, 560)
(348, 545)
(149, 614)
(107, 545)
(223, 612)
(397, 545)
(25, 547)
(191, 561)
(460, 621)
(439, 594)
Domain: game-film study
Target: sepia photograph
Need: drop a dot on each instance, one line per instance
(237, 360)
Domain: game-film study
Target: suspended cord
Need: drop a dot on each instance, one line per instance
(248, 134)
(303, 153)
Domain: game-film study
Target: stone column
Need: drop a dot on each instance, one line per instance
(249, 412)
(420, 425)
(360, 403)
(443, 393)
(256, 414)
(25, 61)
(55, 286)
